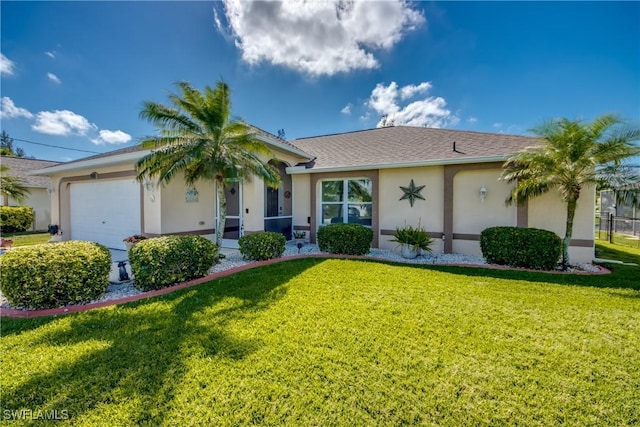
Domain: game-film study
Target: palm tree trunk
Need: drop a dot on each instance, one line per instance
(571, 212)
(222, 214)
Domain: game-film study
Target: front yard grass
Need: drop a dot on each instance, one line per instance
(27, 238)
(342, 342)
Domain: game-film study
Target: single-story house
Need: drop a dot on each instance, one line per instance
(39, 197)
(445, 180)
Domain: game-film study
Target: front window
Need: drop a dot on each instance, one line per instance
(347, 200)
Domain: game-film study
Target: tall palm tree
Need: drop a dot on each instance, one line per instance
(573, 154)
(12, 186)
(198, 138)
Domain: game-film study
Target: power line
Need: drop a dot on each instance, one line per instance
(54, 146)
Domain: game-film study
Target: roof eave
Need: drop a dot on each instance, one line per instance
(284, 147)
(297, 170)
(92, 163)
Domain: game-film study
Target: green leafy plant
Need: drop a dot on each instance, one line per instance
(347, 239)
(262, 245)
(15, 218)
(521, 247)
(160, 262)
(299, 234)
(416, 237)
(54, 275)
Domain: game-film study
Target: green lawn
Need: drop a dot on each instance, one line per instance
(28, 238)
(342, 342)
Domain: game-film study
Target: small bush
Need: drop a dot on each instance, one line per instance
(163, 261)
(15, 218)
(521, 247)
(347, 239)
(261, 246)
(54, 275)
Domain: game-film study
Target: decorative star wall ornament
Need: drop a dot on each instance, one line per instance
(412, 192)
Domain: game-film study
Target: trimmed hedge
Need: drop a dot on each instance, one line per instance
(347, 239)
(521, 247)
(164, 261)
(262, 245)
(15, 218)
(54, 275)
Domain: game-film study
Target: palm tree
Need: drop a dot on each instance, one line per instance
(573, 154)
(198, 138)
(12, 186)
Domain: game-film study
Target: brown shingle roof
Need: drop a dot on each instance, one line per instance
(406, 144)
(20, 167)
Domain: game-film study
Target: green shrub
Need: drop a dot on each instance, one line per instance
(54, 275)
(261, 246)
(521, 247)
(347, 239)
(163, 261)
(15, 218)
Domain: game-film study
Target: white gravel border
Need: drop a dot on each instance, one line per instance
(235, 259)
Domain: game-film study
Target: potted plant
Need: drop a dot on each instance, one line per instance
(132, 240)
(412, 240)
(299, 236)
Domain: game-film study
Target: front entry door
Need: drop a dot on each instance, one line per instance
(233, 227)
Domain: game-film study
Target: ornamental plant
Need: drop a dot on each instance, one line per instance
(416, 237)
(163, 261)
(15, 218)
(262, 245)
(521, 247)
(347, 239)
(55, 275)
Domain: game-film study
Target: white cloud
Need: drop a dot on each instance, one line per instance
(7, 66)
(114, 137)
(9, 109)
(62, 122)
(51, 55)
(347, 109)
(472, 119)
(430, 111)
(317, 37)
(54, 78)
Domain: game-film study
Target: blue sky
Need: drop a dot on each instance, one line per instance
(74, 74)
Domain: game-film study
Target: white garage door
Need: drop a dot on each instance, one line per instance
(105, 211)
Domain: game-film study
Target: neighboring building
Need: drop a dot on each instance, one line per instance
(39, 187)
(364, 177)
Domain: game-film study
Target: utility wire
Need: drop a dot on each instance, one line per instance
(55, 146)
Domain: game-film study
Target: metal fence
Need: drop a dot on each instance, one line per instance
(618, 230)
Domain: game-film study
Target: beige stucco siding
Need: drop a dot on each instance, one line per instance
(178, 215)
(550, 213)
(301, 200)
(395, 212)
(253, 200)
(470, 214)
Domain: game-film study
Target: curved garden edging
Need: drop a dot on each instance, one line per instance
(18, 313)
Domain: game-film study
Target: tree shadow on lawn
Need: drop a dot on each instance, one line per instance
(132, 355)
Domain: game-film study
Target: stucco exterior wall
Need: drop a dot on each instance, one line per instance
(396, 213)
(470, 214)
(301, 201)
(180, 216)
(253, 200)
